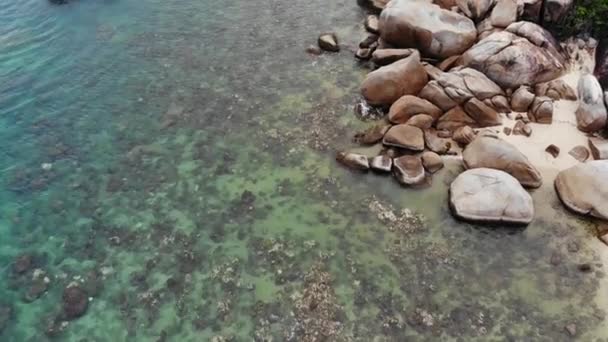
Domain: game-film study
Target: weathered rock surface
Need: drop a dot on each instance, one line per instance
(353, 161)
(523, 54)
(436, 32)
(504, 13)
(387, 84)
(591, 114)
(407, 106)
(580, 153)
(329, 42)
(408, 170)
(599, 148)
(435, 93)
(372, 135)
(388, 56)
(455, 118)
(483, 115)
(371, 23)
(422, 121)
(369, 41)
(381, 163)
(435, 143)
(492, 152)
(541, 110)
(556, 90)
(522, 99)
(552, 150)
(583, 188)
(405, 136)
(464, 135)
(490, 195)
(431, 161)
(364, 53)
(475, 9)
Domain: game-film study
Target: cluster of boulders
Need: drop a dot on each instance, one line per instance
(446, 70)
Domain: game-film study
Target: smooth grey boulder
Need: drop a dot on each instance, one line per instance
(583, 188)
(495, 153)
(591, 114)
(523, 54)
(490, 195)
(420, 24)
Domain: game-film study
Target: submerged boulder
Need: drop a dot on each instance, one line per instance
(583, 188)
(491, 152)
(408, 170)
(523, 54)
(490, 195)
(75, 301)
(388, 83)
(591, 114)
(420, 24)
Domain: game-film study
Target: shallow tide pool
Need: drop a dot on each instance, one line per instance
(176, 160)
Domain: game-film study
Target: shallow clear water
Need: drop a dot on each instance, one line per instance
(176, 159)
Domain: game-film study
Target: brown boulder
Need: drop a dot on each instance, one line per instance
(483, 115)
(557, 90)
(552, 150)
(580, 153)
(454, 118)
(599, 148)
(435, 143)
(464, 135)
(371, 135)
(405, 136)
(522, 99)
(353, 161)
(435, 93)
(407, 106)
(329, 42)
(431, 161)
(389, 56)
(408, 170)
(371, 23)
(495, 153)
(422, 121)
(75, 302)
(381, 163)
(541, 110)
(387, 84)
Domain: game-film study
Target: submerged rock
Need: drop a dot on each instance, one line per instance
(583, 188)
(353, 161)
(405, 136)
(387, 84)
(23, 263)
(329, 42)
(75, 301)
(372, 135)
(523, 54)
(381, 163)
(408, 170)
(436, 32)
(490, 195)
(591, 114)
(491, 152)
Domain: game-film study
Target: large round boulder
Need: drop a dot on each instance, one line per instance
(492, 152)
(407, 106)
(523, 54)
(490, 195)
(583, 188)
(420, 24)
(388, 83)
(591, 114)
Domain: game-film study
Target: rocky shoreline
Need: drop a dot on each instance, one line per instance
(484, 82)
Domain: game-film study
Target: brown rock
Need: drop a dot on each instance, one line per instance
(389, 56)
(454, 118)
(431, 161)
(381, 163)
(387, 84)
(407, 106)
(541, 110)
(507, 130)
(364, 53)
(75, 302)
(422, 121)
(371, 23)
(405, 136)
(408, 170)
(435, 143)
(522, 99)
(557, 90)
(329, 42)
(521, 128)
(599, 148)
(483, 115)
(353, 161)
(449, 62)
(464, 135)
(579, 153)
(434, 93)
(552, 150)
(500, 103)
(444, 134)
(495, 153)
(368, 41)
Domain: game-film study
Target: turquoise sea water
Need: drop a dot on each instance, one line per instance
(176, 159)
